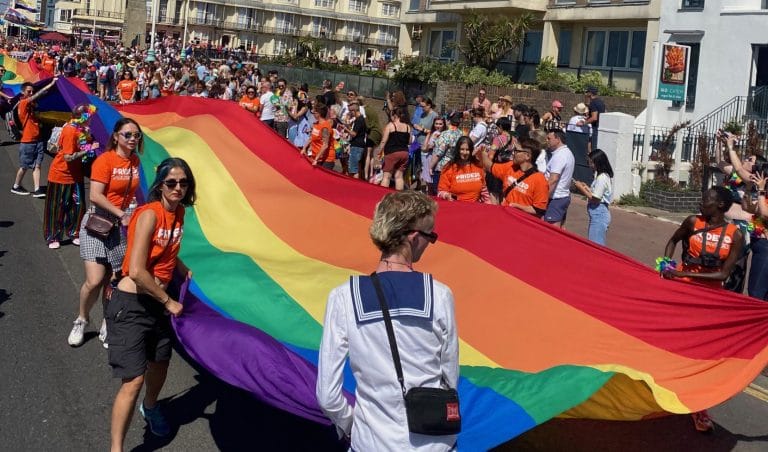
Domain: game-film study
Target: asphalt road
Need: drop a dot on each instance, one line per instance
(54, 397)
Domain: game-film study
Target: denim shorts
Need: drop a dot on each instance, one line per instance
(557, 210)
(355, 154)
(31, 155)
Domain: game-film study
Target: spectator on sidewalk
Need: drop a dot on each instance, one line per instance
(559, 175)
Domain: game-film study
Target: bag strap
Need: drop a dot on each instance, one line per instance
(390, 330)
(528, 172)
(128, 187)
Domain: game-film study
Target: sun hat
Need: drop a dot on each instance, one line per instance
(580, 108)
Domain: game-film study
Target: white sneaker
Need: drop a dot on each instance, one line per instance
(103, 334)
(76, 335)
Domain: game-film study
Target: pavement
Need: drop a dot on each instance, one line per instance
(55, 397)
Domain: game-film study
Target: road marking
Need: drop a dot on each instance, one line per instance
(757, 392)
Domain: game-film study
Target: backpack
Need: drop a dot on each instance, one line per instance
(13, 122)
(54, 141)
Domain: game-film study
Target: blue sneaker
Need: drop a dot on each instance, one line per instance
(157, 423)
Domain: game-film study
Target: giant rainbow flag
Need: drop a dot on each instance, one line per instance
(549, 324)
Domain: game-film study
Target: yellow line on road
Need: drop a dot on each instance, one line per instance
(757, 392)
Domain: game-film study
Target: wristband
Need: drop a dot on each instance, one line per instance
(761, 193)
(167, 299)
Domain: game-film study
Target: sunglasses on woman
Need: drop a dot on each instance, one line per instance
(172, 183)
(430, 236)
(129, 135)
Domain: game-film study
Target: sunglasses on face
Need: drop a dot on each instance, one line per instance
(171, 183)
(430, 236)
(129, 135)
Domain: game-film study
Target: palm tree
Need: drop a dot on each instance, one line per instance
(487, 40)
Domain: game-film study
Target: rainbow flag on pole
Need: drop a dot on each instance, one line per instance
(549, 324)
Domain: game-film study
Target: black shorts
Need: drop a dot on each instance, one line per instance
(138, 332)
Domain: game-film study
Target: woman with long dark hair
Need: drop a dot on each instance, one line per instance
(140, 333)
(464, 178)
(114, 179)
(599, 195)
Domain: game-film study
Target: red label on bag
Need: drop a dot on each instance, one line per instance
(453, 411)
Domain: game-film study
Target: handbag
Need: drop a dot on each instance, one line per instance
(101, 226)
(430, 411)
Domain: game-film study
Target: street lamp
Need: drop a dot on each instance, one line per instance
(151, 52)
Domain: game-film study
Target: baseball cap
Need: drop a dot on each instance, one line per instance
(591, 89)
(557, 104)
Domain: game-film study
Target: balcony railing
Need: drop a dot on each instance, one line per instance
(165, 20)
(98, 13)
(290, 31)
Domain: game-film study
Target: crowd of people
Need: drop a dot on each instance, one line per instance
(498, 153)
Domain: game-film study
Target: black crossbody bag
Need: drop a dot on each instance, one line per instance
(430, 411)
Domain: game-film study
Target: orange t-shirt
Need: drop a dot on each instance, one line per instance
(61, 171)
(160, 261)
(114, 171)
(253, 104)
(695, 243)
(316, 140)
(49, 64)
(125, 88)
(30, 126)
(465, 182)
(533, 191)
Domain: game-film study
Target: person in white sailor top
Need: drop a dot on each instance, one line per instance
(424, 325)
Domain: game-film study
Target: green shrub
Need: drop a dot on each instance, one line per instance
(549, 78)
(432, 71)
(631, 199)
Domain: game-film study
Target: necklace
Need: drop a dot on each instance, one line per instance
(389, 262)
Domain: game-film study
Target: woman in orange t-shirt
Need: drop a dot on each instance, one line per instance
(250, 102)
(127, 88)
(464, 178)
(114, 179)
(321, 139)
(65, 197)
(711, 247)
(139, 332)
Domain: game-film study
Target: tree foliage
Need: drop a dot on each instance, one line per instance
(310, 50)
(432, 71)
(487, 39)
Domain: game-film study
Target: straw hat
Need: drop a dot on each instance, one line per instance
(506, 98)
(581, 108)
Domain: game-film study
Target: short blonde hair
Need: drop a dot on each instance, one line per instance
(395, 215)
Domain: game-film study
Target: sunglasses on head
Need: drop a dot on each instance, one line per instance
(129, 135)
(171, 183)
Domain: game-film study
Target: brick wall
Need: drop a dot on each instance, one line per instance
(456, 95)
(673, 201)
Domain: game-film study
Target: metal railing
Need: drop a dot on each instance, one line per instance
(291, 31)
(757, 102)
(98, 13)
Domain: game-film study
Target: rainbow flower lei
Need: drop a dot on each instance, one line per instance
(665, 263)
(756, 226)
(84, 139)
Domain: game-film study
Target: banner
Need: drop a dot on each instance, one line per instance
(673, 82)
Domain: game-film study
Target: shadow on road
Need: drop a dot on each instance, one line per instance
(238, 421)
(669, 433)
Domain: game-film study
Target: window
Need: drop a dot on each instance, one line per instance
(357, 29)
(564, 44)
(413, 5)
(206, 12)
(615, 48)
(65, 15)
(440, 44)
(244, 17)
(358, 6)
(280, 47)
(351, 52)
(531, 52)
(162, 10)
(693, 4)
(390, 10)
(387, 35)
(324, 3)
(284, 23)
(321, 27)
